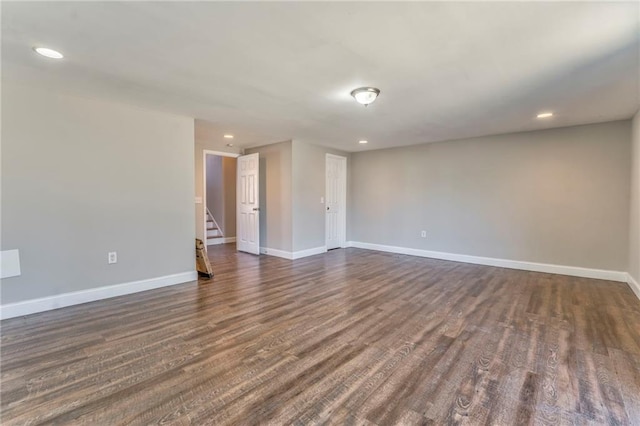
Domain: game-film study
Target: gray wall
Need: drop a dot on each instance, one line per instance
(275, 195)
(309, 163)
(557, 196)
(215, 188)
(634, 223)
(83, 177)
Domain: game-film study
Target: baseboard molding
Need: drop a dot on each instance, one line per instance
(575, 271)
(635, 287)
(277, 253)
(220, 240)
(33, 306)
(309, 252)
(293, 255)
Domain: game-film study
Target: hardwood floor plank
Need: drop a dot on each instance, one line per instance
(350, 337)
(627, 368)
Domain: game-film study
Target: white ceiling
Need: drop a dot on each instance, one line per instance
(269, 72)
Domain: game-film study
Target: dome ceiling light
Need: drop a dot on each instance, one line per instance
(49, 53)
(365, 95)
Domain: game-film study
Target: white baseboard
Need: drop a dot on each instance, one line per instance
(293, 255)
(575, 271)
(220, 240)
(32, 306)
(277, 253)
(309, 252)
(635, 287)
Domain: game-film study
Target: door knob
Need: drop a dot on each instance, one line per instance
(256, 209)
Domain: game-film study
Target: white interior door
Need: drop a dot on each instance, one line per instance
(335, 198)
(248, 226)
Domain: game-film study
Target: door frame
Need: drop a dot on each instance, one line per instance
(342, 217)
(206, 152)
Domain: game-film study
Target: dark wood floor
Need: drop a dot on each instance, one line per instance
(350, 337)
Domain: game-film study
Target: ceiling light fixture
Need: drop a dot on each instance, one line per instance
(545, 115)
(363, 142)
(365, 95)
(49, 53)
(228, 136)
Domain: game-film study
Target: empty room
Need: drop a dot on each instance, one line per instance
(346, 213)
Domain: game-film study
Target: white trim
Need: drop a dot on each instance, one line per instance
(275, 252)
(220, 153)
(206, 152)
(575, 271)
(213, 219)
(220, 240)
(635, 287)
(293, 255)
(32, 306)
(309, 252)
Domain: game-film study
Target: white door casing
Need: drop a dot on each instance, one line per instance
(203, 199)
(335, 198)
(248, 226)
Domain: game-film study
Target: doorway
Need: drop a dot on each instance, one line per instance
(336, 201)
(219, 197)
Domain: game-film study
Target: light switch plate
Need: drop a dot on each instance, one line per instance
(198, 200)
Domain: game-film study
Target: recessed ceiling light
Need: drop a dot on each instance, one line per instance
(365, 95)
(228, 136)
(545, 115)
(363, 142)
(49, 53)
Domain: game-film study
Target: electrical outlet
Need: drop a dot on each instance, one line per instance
(112, 257)
(423, 234)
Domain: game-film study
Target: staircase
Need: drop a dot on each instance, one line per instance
(214, 233)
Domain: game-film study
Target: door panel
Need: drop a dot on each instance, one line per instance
(335, 198)
(248, 238)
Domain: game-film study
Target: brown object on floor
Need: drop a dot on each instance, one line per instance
(202, 261)
(347, 337)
